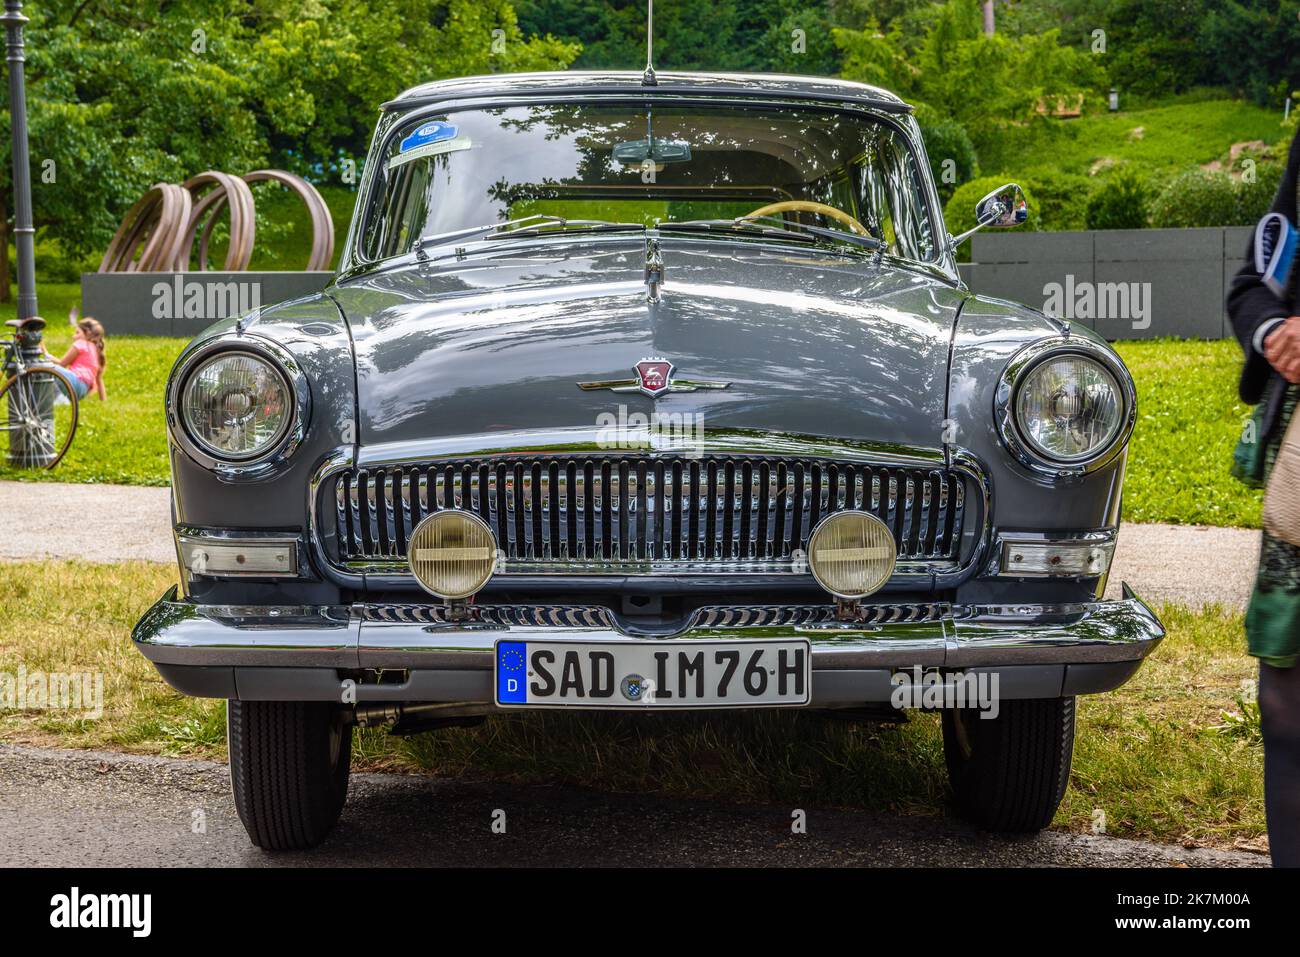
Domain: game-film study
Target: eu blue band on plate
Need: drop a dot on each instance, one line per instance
(512, 672)
(434, 132)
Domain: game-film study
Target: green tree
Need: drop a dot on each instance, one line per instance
(123, 94)
(983, 82)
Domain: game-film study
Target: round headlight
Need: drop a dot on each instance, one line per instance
(236, 406)
(452, 554)
(852, 554)
(1069, 408)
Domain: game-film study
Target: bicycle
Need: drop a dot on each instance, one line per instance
(40, 404)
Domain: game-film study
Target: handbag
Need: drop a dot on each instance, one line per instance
(1281, 517)
(1282, 491)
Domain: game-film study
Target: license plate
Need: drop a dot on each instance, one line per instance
(653, 674)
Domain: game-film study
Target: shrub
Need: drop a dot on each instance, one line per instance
(1254, 199)
(1122, 202)
(1209, 198)
(1196, 197)
(1062, 197)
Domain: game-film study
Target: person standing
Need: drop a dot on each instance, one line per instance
(1267, 325)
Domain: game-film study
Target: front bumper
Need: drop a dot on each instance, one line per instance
(304, 653)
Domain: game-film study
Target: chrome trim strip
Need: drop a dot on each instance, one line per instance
(174, 631)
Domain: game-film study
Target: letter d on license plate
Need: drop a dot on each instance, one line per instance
(653, 674)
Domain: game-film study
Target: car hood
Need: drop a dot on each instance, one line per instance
(497, 343)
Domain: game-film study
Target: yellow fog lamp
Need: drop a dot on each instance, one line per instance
(852, 554)
(452, 554)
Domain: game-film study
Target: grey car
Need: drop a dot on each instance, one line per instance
(646, 393)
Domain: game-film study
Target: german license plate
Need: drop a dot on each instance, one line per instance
(653, 674)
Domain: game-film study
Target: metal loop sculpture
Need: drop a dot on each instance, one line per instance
(158, 233)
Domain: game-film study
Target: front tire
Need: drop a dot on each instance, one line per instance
(1009, 773)
(289, 766)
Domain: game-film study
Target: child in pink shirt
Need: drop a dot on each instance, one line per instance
(85, 359)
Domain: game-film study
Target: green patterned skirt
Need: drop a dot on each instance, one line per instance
(1273, 616)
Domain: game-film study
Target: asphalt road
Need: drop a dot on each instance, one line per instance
(89, 809)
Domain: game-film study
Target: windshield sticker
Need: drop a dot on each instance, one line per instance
(430, 149)
(434, 132)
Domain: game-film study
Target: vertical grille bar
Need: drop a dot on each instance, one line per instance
(623, 501)
(797, 508)
(642, 513)
(782, 500)
(711, 503)
(746, 506)
(553, 508)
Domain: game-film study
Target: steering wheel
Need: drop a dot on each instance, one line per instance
(808, 206)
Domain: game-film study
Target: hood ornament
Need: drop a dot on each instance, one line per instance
(654, 270)
(654, 377)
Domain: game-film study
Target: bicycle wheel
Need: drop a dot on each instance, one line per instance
(38, 417)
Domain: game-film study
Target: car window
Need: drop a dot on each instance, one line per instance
(648, 165)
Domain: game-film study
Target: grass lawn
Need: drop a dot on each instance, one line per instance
(1166, 138)
(1189, 419)
(1157, 757)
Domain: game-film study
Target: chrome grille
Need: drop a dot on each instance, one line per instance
(612, 514)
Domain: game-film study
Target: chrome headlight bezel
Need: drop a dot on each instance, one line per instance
(1039, 464)
(291, 434)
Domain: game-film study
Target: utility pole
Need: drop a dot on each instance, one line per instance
(24, 233)
(988, 18)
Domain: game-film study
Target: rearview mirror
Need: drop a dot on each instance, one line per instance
(658, 152)
(1004, 208)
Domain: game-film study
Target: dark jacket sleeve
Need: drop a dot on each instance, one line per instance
(1250, 302)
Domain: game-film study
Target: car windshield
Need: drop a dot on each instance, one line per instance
(646, 165)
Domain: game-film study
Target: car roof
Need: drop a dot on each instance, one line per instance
(668, 82)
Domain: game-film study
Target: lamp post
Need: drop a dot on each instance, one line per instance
(24, 234)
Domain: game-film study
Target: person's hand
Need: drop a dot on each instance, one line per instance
(1282, 349)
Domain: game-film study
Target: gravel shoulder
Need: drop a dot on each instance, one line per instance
(89, 523)
(97, 809)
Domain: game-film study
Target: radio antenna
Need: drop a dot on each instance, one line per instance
(648, 77)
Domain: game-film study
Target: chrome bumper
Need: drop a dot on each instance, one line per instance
(298, 652)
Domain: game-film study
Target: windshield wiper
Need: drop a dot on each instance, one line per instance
(560, 225)
(782, 229)
(502, 230)
(731, 226)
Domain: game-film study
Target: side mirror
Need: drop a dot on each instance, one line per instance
(1004, 208)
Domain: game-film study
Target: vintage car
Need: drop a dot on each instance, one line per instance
(647, 392)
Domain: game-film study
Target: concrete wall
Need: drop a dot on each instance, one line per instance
(1126, 284)
(183, 304)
